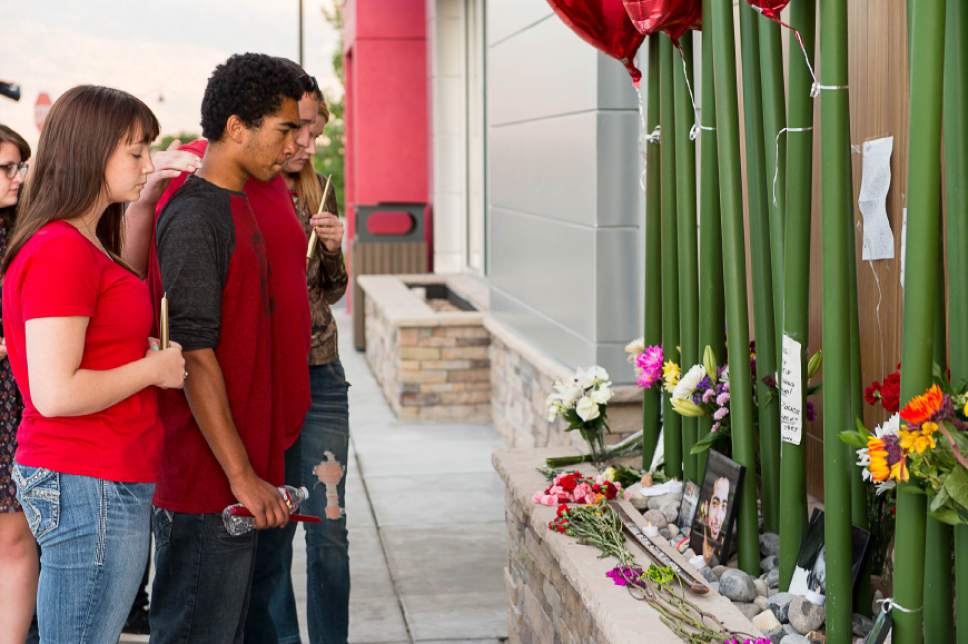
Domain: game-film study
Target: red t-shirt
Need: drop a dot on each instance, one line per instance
(59, 273)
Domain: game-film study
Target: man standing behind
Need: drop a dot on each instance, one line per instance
(220, 443)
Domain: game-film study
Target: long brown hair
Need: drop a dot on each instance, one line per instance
(306, 182)
(8, 214)
(82, 131)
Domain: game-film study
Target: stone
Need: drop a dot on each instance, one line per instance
(665, 532)
(749, 610)
(709, 574)
(862, 625)
(769, 544)
(767, 622)
(773, 578)
(762, 603)
(794, 639)
(656, 502)
(780, 605)
(776, 636)
(761, 588)
(789, 630)
(737, 586)
(655, 518)
(805, 616)
(671, 511)
(770, 563)
(718, 571)
(714, 586)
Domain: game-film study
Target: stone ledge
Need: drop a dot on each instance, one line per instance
(401, 308)
(613, 614)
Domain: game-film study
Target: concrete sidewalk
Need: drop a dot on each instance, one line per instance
(426, 524)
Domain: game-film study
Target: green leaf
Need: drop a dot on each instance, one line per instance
(854, 439)
(861, 427)
(707, 441)
(936, 373)
(939, 500)
(956, 485)
(948, 516)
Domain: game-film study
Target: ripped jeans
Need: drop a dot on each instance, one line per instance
(272, 609)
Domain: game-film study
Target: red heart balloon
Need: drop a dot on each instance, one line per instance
(675, 17)
(770, 8)
(604, 25)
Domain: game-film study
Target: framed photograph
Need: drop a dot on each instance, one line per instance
(687, 508)
(715, 515)
(809, 576)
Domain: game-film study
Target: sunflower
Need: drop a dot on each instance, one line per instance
(924, 406)
(884, 457)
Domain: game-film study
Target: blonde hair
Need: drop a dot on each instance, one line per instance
(307, 184)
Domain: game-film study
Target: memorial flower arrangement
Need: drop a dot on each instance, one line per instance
(575, 487)
(582, 402)
(925, 442)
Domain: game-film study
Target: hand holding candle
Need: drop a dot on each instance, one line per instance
(313, 237)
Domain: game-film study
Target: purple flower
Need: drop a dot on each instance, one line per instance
(625, 575)
(811, 412)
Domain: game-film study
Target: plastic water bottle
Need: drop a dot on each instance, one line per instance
(237, 525)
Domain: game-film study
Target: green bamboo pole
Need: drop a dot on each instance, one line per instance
(858, 491)
(760, 264)
(938, 538)
(926, 22)
(712, 323)
(734, 275)
(686, 231)
(672, 422)
(796, 272)
(774, 119)
(956, 169)
(651, 399)
(835, 207)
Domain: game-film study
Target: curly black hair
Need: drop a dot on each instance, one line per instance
(250, 86)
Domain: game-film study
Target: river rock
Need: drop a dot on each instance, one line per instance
(769, 544)
(780, 605)
(796, 638)
(708, 573)
(773, 578)
(655, 518)
(719, 570)
(862, 625)
(805, 616)
(671, 511)
(749, 610)
(714, 586)
(762, 589)
(767, 622)
(762, 602)
(737, 586)
(770, 563)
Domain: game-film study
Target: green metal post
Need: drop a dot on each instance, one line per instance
(760, 264)
(796, 272)
(672, 422)
(734, 274)
(651, 399)
(836, 207)
(686, 231)
(926, 22)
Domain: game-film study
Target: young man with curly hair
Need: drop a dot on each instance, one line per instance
(226, 436)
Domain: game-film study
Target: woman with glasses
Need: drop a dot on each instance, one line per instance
(18, 554)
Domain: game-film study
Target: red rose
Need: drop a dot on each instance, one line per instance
(872, 393)
(568, 481)
(610, 490)
(596, 488)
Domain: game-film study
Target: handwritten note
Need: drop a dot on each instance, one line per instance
(872, 200)
(791, 393)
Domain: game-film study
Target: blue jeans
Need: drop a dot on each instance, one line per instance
(272, 617)
(94, 539)
(202, 579)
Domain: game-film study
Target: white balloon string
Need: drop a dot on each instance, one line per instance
(776, 161)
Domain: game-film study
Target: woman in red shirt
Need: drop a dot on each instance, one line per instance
(76, 322)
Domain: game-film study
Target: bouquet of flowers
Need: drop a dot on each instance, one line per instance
(928, 440)
(582, 402)
(575, 487)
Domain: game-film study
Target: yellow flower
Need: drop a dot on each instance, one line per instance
(887, 460)
(965, 410)
(918, 441)
(670, 375)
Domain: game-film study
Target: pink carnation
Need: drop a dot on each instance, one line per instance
(649, 366)
(583, 493)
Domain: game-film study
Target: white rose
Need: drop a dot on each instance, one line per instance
(587, 409)
(599, 375)
(602, 394)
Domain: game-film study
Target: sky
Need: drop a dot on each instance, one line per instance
(159, 50)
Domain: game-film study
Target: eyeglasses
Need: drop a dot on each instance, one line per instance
(11, 170)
